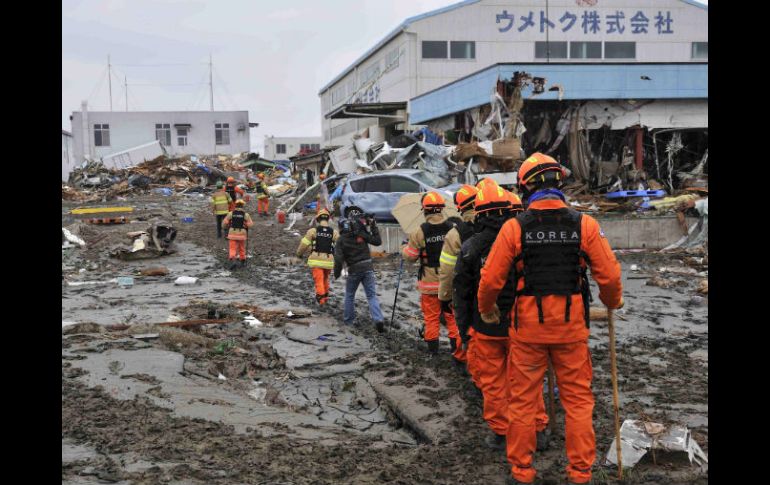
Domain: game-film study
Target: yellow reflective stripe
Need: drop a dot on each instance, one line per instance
(306, 241)
(320, 263)
(447, 258)
(427, 286)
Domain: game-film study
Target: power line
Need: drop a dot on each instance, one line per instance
(163, 65)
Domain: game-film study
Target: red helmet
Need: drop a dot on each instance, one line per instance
(261, 175)
(539, 164)
(465, 197)
(490, 196)
(230, 179)
(432, 201)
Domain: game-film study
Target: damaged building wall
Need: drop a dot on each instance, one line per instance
(481, 33)
(67, 154)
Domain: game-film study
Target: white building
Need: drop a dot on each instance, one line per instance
(101, 133)
(67, 155)
(433, 49)
(281, 148)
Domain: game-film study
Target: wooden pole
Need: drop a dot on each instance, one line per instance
(551, 397)
(615, 399)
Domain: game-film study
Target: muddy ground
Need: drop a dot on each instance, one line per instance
(303, 399)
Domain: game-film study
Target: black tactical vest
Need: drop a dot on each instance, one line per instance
(324, 236)
(465, 229)
(230, 189)
(238, 219)
(434, 241)
(551, 254)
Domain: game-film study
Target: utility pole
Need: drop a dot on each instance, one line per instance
(125, 84)
(211, 83)
(109, 77)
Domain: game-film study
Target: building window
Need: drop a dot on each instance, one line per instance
(434, 49)
(700, 50)
(550, 50)
(370, 73)
(222, 133)
(181, 137)
(101, 135)
(391, 59)
(280, 148)
(163, 133)
(462, 49)
(585, 50)
(620, 50)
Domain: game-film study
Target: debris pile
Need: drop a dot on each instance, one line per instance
(94, 181)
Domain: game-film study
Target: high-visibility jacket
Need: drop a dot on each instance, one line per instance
(554, 328)
(237, 233)
(262, 191)
(452, 242)
(220, 202)
(321, 252)
(427, 279)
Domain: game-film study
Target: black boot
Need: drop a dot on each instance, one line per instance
(380, 326)
(433, 347)
(231, 265)
(452, 345)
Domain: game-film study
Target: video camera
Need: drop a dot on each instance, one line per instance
(356, 222)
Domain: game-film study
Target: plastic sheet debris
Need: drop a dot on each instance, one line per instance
(221, 377)
(253, 321)
(165, 191)
(71, 237)
(186, 280)
(634, 267)
(639, 437)
(146, 336)
(125, 281)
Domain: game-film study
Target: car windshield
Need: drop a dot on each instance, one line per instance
(430, 179)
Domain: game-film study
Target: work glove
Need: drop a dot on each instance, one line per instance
(492, 318)
(447, 307)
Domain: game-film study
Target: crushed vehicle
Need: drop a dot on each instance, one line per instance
(378, 192)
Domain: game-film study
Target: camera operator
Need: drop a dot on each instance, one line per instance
(357, 232)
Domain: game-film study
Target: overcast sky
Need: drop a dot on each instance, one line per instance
(270, 57)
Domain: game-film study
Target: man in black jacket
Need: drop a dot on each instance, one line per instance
(487, 344)
(352, 249)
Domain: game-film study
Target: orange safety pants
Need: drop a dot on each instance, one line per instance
(238, 248)
(321, 278)
(487, 364)
(263, 205)
(431, 311)
(527, 365)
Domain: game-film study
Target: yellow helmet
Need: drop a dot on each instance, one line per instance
(240, 202)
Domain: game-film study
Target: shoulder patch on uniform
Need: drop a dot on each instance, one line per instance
(601, 232)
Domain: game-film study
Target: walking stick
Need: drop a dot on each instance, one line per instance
(614, 370)
(398, 285)
(551, 396)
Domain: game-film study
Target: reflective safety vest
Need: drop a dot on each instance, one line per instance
(219, 199)
(551, 255)
(434, 240)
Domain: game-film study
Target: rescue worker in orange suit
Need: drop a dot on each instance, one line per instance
(239, 223)
(233, 191)
(263, 199)
(220, 206)
(487, 345)
(320, 240)
(463, 229)
(425, 244)
(550, 246)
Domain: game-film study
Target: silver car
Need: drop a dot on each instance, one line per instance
(378, 192)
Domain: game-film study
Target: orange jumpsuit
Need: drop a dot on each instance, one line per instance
(321, 262)
(237, 237)
(263, 199)
(565, 341)
(428, 285)
(233, 191)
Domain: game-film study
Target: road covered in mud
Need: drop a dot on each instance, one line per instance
(281, 392)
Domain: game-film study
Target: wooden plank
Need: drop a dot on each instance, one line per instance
(100, 210)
